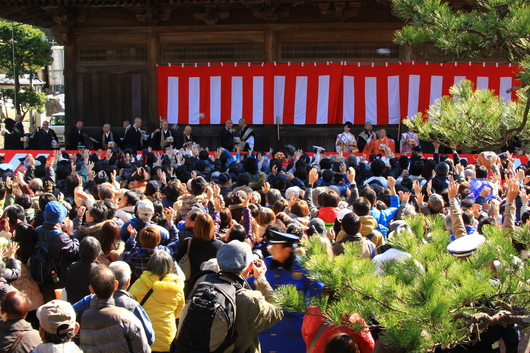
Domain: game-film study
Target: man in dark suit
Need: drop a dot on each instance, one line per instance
(18, 125)
(76, 136)
(227, 136)
(185, 139)
(45, 136)
(162, 137)
(133, 135)
(12, 136)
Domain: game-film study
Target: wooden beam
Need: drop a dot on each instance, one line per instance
(215, 35)
(271, 46)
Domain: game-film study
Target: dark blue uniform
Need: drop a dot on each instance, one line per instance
(286, 336)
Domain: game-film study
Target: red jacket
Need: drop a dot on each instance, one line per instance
(313, 322)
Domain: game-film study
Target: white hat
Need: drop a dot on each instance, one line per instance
(462, 247)
(145, 209)
(343, 213)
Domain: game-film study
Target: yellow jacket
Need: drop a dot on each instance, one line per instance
(163, 306)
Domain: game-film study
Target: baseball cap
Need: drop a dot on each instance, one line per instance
(145, 208)
(57, 317)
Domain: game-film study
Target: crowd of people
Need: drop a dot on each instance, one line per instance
(129, 238)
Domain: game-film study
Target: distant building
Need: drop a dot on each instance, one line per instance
(25, 81)
(56, 70)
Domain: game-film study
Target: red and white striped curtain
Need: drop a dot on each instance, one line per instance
(304, 94)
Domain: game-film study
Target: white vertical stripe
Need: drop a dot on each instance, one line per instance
(215, 100)
(279, 92)
(348, 105)
(300, 100)
(506, 84)
(257, 100)
(414, 95)
(483, 82)
(323, 99)
(436, 88)
(172, 100)
(237, 98)
(394, 110)
(194, 99)
(370, 99)
(458, 79)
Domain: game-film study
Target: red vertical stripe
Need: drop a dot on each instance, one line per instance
(248, 98)
(404, 92)
(312, 99)
(183, 111)
(382, 100)
(425, 93)
(336, 106)
(205, 100)
(162, 77)
(288, 105)
(359, 99)
(494, 83)
(447, 82)
(268, 99)
(226, 98)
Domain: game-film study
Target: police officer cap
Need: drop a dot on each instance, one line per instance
(465, 245)
(282, 238)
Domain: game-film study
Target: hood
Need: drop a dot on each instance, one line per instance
(69, 347)
(168, 290)
(368, 225)
(328, 214)
(91, 229)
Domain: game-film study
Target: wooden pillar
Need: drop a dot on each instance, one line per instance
(271, 46)
(153, 58)
(73, 106)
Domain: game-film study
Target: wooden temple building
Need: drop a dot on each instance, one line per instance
(112, 48)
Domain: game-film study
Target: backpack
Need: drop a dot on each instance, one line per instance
(42, 266)
(207, 322)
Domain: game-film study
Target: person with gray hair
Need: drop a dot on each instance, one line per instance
(122, 271)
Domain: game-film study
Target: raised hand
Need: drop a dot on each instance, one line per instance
(132, 231)
(266, 188)
(313, 176)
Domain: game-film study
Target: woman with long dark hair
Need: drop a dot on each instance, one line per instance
(203, 246)
(111, 244)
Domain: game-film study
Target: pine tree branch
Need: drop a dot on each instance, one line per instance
(388, 306)
(512, 131)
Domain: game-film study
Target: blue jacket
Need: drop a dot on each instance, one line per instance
(383, 217)
(122, 299)
(138, 224)
(286, 336)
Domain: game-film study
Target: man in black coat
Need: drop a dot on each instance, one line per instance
(133, 135)
(185, 139)
(76, 136)
(227, 136)
(45, 136)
